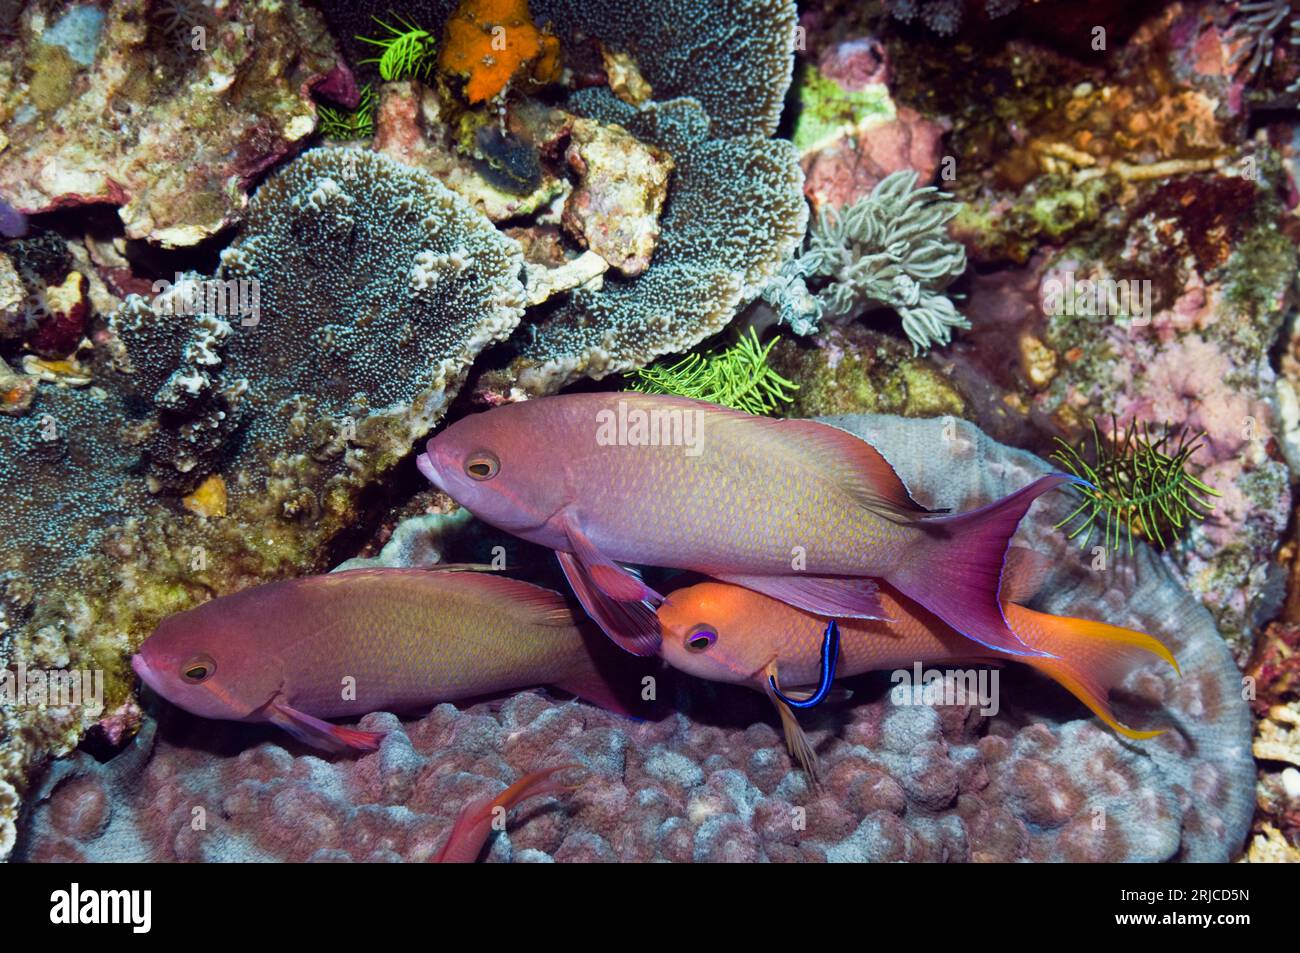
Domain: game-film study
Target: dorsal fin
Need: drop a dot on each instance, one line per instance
(827, 452)
(857, 466)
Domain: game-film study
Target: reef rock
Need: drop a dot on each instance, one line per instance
(168, 114)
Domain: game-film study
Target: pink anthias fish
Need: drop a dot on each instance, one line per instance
(295, 652)
(796, 509)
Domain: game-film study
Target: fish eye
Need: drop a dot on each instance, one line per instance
(700, 638)
(482, 465)
(198, 669)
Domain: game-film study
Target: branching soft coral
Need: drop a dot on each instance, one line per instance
(891, 249)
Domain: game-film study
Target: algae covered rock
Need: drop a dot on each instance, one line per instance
(170, 121)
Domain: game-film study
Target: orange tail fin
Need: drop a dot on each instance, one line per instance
(1092, 657)
(472, 827)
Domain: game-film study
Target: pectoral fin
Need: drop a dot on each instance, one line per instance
(620, 584)
(633, 626)
(796, 741)
(321, 734)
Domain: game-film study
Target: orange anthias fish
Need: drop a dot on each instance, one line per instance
(298, 651)
(795, 509)
(727, 633)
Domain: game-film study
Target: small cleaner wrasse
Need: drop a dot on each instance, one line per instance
(727, 633)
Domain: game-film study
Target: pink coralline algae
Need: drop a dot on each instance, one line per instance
(1038, 780)
(851, 134)
(849, 168)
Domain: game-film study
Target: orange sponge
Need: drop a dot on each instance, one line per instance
(491, 42)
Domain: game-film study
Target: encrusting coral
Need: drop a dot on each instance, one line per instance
(734, 212)
(427, 278)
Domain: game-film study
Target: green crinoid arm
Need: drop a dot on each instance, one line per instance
(358, 123)
(406, 52)
(739, 377)
(1140, 483)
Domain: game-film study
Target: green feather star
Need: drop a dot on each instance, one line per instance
(739, 377)
(1140, 484)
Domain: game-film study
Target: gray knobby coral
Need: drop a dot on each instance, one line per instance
(378, 286)
(891, 249)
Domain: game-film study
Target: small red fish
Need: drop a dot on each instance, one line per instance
(474, 824)
(296, 652)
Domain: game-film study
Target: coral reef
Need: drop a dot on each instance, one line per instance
(732, 56)
(734, 212)
(103, 108)
(849, 131)
(686, 257)
(1039, 780)
(321, 412)
(215, 359)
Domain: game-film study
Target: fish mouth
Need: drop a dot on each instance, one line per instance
(147, 675)
(424, 463)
